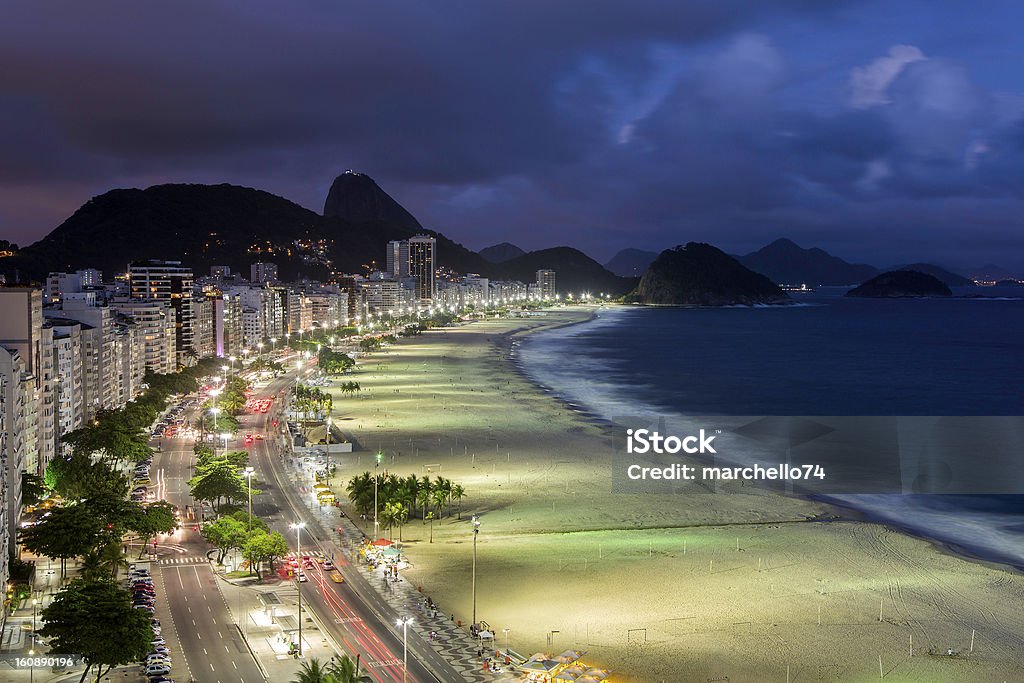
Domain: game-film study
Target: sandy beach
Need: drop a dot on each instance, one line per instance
(744, 585)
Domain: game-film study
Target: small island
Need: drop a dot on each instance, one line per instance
(701, 275)
(901, 283)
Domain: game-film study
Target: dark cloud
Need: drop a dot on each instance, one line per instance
(603, 124)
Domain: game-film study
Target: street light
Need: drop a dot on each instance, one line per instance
(476, 532)
(329, 422)
(248, 475)
(213, 411)
(225, 436)
(273, 345)
(404, 623)
(299, 526)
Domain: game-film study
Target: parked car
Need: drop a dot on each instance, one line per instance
(157, 669)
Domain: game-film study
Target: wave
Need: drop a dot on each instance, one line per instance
(562, 363)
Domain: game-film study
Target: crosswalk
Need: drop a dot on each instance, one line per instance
(184, 560)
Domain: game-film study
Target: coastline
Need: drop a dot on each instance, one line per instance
(562, 548)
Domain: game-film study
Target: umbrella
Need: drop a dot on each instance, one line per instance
(391, 552)
(484, 635)
(567, 675)
(568, 656)
(383, 542)
(598, 674)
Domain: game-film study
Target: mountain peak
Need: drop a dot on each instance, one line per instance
(357, 198)
(499, 253)
(786, 262)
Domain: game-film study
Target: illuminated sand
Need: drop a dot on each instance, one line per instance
(559, 552)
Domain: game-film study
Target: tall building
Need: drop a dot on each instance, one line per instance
(22, 334)
(261, 273)
(546, 284)
(170, 282)
(16, 384)
(397, 259)
(69, 380)
(156, 323)
(422, 266)
(21, 323)
(98, 347)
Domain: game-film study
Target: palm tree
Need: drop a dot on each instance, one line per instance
(439, 496)
(312, 672)
(401, 517)
(360, 492)
(458, 493)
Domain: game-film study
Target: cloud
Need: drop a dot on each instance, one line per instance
(868, 84)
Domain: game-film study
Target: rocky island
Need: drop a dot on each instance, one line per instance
(901, 283)
(699, 274)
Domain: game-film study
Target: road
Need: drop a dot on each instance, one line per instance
(352, 612)
(211, 647)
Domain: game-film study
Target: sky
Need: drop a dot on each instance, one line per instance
(884, 132)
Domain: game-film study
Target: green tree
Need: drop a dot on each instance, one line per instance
(312, 672)
(151, 520)
(79, 477)
(217, 483)
(95, 618)
(458, 493)
(360, 492)
(67, 532)
(262, 547)
(103, 561)
(225, 534)
(32, 489)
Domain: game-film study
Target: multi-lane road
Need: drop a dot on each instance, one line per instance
(199, 629)
(352, 613)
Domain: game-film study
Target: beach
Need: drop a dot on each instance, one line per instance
(741, 585)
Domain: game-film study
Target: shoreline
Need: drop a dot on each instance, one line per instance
(843, 510)
(557, 548)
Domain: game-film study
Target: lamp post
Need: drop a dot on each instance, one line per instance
(299, 526)
(225, 436)
(376, 464)
(328, 450)
(248, 475)
(273, 345)
(506, 630)
(476, 532)
(213, 411)
(404, 623)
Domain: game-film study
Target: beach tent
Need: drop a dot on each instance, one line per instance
(597, 674)
(486, 635)
(391, 552)
(569, 656)
(539, 666)
(566, 676)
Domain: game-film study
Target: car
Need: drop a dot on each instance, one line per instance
(328, 565)
(248, 438)
(159, 651)
(156, 630)
(145, 582)
(160, 679)
(143, 578)
(157, 669)
(302, 577)
(146, 608)
(144, 603)
(151, 659)
(158, 640)
(259, 437)
(140, 572)
(144, 481)
(336, 577)
(144, 595)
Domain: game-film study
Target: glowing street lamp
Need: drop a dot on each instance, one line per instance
(248, 475)
(299, 526)
(273, 345)
(476, 532)
(404, 623)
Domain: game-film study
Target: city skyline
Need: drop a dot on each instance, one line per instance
(852, 126)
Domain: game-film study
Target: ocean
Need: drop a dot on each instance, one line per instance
(825, 355)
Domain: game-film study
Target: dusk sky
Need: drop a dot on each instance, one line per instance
(882, 131)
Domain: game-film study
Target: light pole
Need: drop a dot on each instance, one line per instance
(551, 639)
(476, 532)
(225, 436)
(248, 475)
(299, 526)
(328, 450)
(376, 464)
(506, 630)
(273, 345)
(32, 652)
(404, 623)
(213, 411)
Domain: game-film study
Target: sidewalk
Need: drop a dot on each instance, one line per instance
(253, 607)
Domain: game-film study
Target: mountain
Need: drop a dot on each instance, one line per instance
(204, 225)
(631, 262)
(786, 263)
(702, 275)
(575, 272)
(356, 198)
(901, 283)
(499, 253)
(948, 278)
(990, 272)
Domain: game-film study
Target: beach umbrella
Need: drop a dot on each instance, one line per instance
(538, 657)
(485, 635)
(382, 542)
(598, 674)
(391, 552)
(568, 656)
(567, 675)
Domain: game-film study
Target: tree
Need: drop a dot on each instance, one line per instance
(79, 477)
(360, 492)
(151, 520)
(103, 561)
(458, 493)
(262, 547)
(438, 496)
(94, 618)
(225, 534)
(67, 532)
(312, 672)
(32, 490)
(218, 482)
